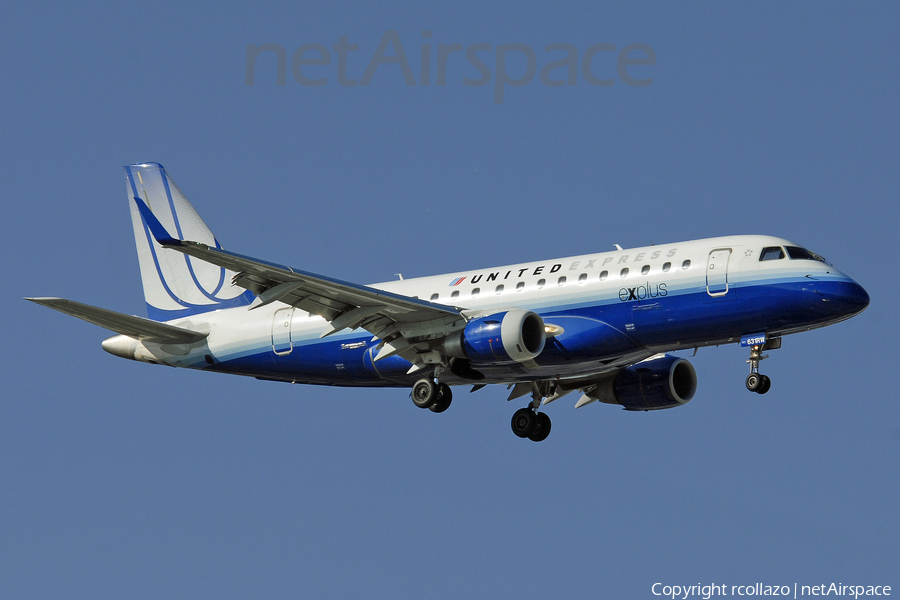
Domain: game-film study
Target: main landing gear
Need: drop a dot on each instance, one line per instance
(527, 423)
(436, 397)
(756, 381)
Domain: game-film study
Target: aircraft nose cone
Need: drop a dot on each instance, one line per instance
(856, 296)
(851, 297)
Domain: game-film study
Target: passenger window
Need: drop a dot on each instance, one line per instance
(435, 297)
(771, 253)
(623, 273)
(499, 289)
(604, 275)
(455, 294)
(582, 278)
(520, 286)
(476, 291)
(666, 267)
(562, 281)
(541, 283)
(645, 269)
(686, 265)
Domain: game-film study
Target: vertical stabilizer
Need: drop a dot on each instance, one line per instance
(176, 285)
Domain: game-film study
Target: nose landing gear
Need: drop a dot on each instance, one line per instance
(756, 381)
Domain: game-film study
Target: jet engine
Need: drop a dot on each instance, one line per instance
(502, 338)
(664, 382)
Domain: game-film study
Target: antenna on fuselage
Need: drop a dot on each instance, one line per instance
(618, 247)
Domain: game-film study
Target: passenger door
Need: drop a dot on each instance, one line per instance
(717, 272)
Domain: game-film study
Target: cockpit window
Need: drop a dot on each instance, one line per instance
(798, 253)
(771, 253)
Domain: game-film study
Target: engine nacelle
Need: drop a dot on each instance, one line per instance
(512, 336)
(665, 382)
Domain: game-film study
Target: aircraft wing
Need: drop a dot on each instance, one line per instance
(405, 325)
(138, 328)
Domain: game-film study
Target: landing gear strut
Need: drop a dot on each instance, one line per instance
(756, 381)
(426, 393)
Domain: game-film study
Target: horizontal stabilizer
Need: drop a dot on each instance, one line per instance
(138, 328)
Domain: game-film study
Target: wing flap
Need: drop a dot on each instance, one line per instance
(138, 328)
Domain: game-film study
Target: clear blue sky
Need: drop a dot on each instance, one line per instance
(124, 480)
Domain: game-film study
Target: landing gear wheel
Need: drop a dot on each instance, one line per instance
(541, 428)
(424, 393)
(523, 422)
(444, 397)
(754, 382)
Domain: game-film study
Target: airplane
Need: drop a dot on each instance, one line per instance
(602, 324)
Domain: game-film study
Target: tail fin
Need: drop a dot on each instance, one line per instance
(174, 284)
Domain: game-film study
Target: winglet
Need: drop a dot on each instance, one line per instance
(156, 228)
